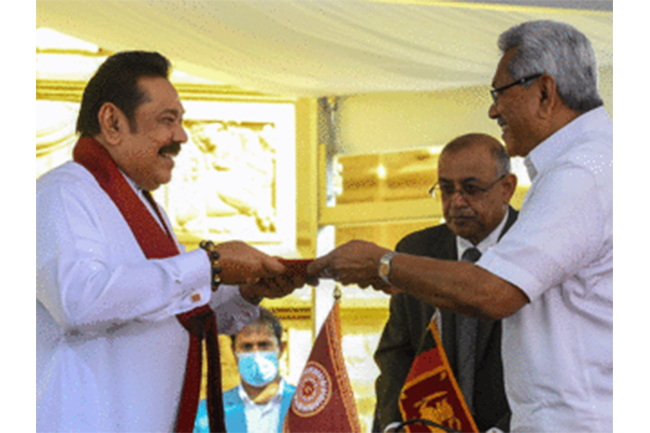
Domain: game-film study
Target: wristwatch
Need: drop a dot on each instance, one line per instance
(384, 265)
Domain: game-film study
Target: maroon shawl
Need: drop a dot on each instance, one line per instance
(156, 244)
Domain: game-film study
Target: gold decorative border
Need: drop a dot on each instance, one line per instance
(72, 91)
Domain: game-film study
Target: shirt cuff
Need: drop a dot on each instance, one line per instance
(191, 273)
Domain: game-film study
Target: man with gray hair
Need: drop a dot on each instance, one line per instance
(558, 349)
(551, 276)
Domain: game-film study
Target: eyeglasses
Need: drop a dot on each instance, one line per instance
(466, 189)
(496, 92)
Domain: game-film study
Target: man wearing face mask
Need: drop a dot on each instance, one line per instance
(260, 402)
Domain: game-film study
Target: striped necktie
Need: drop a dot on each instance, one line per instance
(466, 328)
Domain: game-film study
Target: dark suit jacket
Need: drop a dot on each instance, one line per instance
(409, 317)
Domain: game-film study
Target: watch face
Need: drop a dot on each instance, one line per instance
(384, 265)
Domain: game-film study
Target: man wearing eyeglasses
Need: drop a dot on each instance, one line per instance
(475, 186)
(551, 276)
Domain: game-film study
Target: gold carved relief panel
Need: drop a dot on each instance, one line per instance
(235, 178)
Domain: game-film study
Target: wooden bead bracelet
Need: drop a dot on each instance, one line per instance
(213, 255)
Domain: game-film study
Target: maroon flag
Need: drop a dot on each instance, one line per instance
(430, 391)
(324, 401)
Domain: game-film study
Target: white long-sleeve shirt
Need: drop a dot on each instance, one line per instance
(110, 352)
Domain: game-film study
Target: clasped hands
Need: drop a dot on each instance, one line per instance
(260, 275)
(355, 262)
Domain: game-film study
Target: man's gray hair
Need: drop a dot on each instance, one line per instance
(560, 50)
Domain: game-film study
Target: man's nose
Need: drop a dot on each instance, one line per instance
(492, 111)
(180, 135)
(457, 198)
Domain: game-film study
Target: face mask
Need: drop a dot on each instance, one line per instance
(258, 368)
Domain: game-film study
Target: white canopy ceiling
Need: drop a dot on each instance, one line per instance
(324, 47)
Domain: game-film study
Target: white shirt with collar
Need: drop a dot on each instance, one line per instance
(557, 350)
(262, 418)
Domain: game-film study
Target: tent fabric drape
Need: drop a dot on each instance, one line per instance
(319, 47)
(58, 133)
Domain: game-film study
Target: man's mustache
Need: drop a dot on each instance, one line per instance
(172, 148)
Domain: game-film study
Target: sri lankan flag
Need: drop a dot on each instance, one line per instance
(431, 392)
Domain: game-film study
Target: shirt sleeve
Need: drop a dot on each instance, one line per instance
(90, 279)
(559, 230)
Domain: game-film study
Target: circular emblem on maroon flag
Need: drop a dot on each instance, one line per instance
(314, 390)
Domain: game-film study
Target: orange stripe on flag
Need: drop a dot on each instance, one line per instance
(324, 401)
(430, 390)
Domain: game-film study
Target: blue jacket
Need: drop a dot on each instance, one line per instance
(233, 407)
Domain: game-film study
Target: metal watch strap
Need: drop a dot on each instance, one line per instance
(384, 265)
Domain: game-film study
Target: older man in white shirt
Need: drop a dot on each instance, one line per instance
(551, 275)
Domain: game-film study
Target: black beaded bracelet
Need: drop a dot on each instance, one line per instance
(213, 255)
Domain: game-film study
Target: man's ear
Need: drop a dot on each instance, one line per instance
(509, 187)
(548, 97)
(112, 123)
